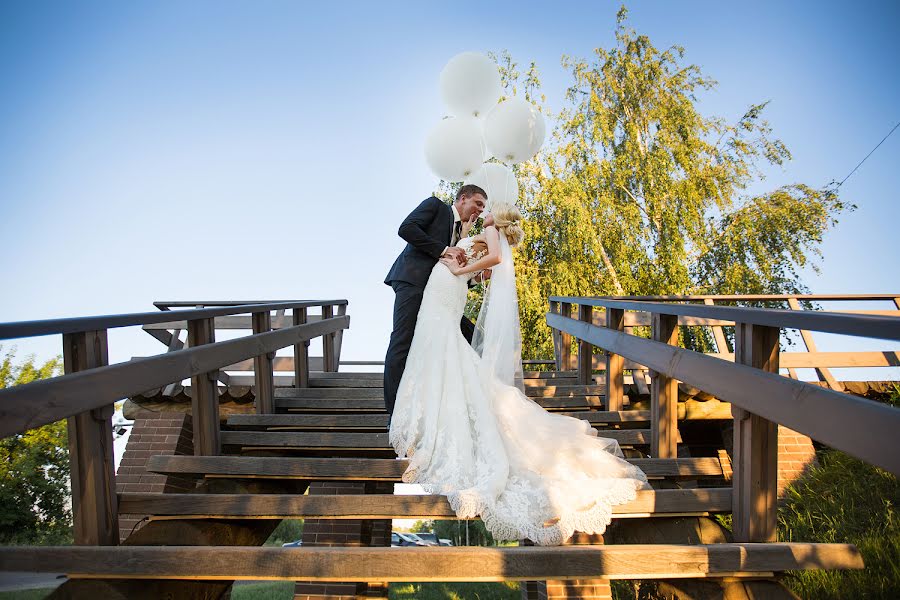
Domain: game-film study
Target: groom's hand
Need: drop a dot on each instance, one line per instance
(456, 253)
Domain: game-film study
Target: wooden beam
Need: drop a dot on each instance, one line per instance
(755, 454)
(301, 353)
(34, 404)
(370, 469)
(822, 373)
(262, 368)
(650, 561)
(718, 334)
(585, 349)
(615, 384)
(565, 340)
(370, 441)
(664, 395)
(387, 506)
(865, 429)
(873, 326)
(204, 395)
(329, 365)
(91, 461)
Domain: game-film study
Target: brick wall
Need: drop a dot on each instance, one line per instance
(152, 433)
(570, 589)
(795, 454)
(344, 532)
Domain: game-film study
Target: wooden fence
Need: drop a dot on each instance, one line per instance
(760, 398)
(86, 393)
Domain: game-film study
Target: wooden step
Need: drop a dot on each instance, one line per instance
(369, 441)
(370, 469)
(372, 382)
(378, 422)
(701, 501)
(547, 391)
(325, 405)
(645, 561)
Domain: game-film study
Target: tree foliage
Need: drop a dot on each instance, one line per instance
(34, 469)
(639, 193)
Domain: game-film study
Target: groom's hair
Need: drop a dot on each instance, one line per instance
(468, 190)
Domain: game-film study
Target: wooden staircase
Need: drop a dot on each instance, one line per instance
(336, 430)
(253, 470)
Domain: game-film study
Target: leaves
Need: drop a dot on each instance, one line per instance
(34, 469)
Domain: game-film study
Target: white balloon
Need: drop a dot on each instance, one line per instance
(454, 148)
(514, 130)
(470, 84)
(498, 181)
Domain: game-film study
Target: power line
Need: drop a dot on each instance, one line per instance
(868, 155)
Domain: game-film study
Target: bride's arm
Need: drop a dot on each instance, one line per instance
(491, 259)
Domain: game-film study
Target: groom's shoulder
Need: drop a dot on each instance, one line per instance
(433, 202)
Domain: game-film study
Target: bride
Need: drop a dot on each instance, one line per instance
(470, 432)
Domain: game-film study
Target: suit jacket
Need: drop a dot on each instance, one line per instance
(427, 231)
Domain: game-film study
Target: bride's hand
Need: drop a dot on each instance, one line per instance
(452, 264)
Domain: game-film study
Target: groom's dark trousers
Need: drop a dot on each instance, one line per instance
(427, 230)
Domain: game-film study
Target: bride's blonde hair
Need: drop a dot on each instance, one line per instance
(507, 219)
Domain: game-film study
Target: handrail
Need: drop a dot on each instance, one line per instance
(874, 326)
(763, 297)
(22, 329)
(45, 401)
(779, 399)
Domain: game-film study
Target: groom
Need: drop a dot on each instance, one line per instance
(431, 231)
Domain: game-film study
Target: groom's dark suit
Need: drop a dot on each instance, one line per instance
(428, 230)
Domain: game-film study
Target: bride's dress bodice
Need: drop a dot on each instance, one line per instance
(448, 291)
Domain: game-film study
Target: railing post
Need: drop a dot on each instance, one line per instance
(565, 340)
(557, 345)
(301, 353)
(339, 338)
(262, 367)
(91, 462)
(204, 395)
(664, 394)
(615, 363)
(328, 362)
(585, 349)
(755, 453)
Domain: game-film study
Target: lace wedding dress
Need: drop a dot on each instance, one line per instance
(494, 452)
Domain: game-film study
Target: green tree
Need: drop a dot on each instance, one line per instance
(638, 193)
(34, 469)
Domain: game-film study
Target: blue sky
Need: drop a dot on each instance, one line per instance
(221, 150)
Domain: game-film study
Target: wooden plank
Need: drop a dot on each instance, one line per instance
(23, 329)
(45, 401)
(387, 506)
(238, 322)
(328, 356)
(301, 352)
(718, 334)
(615, 385)
(204, 394)
(547, 391)
(377, 404)
(585, 349)
(650, 561)
(865, 429)
(822, 373)
(92, 474)
(565, 340)
(370, 469)
(369, 441)
(887, 328)
(664, 395)
(755, 452)
(263, 374)
(810, 360)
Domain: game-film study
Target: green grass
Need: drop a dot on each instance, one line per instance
(35, 594)
(508, 590)
(269, 590)
(845, 500)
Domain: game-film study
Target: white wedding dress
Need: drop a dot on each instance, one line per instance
(494, 452)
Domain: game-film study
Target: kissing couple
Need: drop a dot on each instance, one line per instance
(457, 405)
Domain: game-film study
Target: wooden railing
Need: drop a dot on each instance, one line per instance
(86, 393)
(811, 358)
(760, 398)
